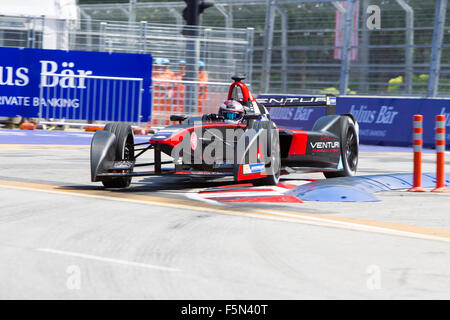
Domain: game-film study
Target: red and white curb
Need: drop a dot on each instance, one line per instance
(247, 193)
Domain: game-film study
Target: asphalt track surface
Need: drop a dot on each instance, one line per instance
(63, 237)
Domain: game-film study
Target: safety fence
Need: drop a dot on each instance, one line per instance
(90, 98)
(102, 99)
(183, 55)
(193, 98)
(221, 52)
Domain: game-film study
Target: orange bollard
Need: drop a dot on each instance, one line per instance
(417, 145)
(27, 126)
(440, 155)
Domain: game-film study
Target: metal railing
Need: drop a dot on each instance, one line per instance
(224, 51)
(171, 97)
(89, 98)
(216, 51)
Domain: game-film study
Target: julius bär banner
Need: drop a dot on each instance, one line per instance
(75, 84)
(382, 121)
(389, 121)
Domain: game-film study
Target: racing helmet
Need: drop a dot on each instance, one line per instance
(231, 110)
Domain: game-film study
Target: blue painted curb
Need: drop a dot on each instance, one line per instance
(359, 188)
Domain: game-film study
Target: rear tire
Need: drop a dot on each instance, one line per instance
(124, 151)
(349, 151)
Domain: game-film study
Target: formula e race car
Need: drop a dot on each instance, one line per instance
(251, 149)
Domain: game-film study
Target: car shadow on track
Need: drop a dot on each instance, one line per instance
(155, 184)
(168, 184)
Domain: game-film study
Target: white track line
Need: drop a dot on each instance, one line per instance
(206, 196)
(194, 195)
(280, 189)
(273, 188)
(110, 260)
(239, 194)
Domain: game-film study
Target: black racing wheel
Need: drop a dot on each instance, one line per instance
(273, 166)
(124, 151)
(349, 151)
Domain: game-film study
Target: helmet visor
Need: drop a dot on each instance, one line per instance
(230, 115)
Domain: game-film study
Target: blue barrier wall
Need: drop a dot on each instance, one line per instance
(388, 121)
(382, 121)
(20, 71)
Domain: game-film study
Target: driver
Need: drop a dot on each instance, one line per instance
(231, 110)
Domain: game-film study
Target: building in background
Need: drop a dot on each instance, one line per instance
(59, 15)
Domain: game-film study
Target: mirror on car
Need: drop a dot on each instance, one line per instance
(179, 118)
(252, 117)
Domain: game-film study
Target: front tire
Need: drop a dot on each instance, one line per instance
(349, 151)
(274, 167)
(124, 151)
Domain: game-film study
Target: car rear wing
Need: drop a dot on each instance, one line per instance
(289, 101)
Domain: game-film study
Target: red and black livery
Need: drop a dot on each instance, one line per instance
(253, 149)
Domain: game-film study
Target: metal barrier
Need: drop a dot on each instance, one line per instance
(215, 51)
(170, 97)
(223, 51)
(89, 98)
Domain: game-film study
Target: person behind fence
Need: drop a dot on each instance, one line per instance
(170, 73)
(203, 86)
(157, 91)
(178, 87)
(163, 92)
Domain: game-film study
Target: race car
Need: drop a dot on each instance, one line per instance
(239, 143)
